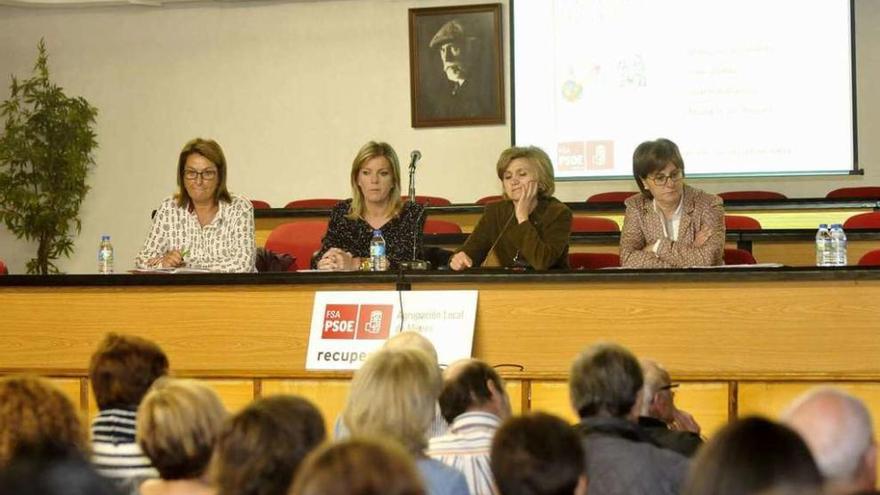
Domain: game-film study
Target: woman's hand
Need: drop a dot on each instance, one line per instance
(702, 236)
(527, 201)
(460, 261)
(336, 259)
(171, 259)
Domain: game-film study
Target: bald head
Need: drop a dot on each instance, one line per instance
(837, 428)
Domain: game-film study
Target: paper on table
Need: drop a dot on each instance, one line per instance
(180, 269)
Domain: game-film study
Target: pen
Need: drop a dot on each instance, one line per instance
(184, 253)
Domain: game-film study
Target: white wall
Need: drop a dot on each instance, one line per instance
(291, 91)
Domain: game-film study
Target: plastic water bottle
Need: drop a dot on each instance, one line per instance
(105, 256)
(823, 246)
(378, 261)
(838, 245)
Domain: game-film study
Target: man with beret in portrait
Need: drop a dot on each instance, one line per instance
(464, 92)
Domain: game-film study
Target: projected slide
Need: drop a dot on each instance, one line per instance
(743, 86)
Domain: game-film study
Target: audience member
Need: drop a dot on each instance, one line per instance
(604, 386)
(751, 456)
(393, 395)
(36, 420)
(66, 475)
(837, 428)
(669, 426)
(474, 402)
(538, 454)
(358, 466)
(177, 427)
(261, 447)
(122, 369)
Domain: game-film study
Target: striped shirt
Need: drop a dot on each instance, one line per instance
(115, 452)
(466, 447)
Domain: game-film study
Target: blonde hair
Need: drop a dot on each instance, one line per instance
(178, 423)
(539, 160)
(394, 394)
(34, 417)
(374, 149)
(410, 339)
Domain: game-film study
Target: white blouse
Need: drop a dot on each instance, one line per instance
(224, 245)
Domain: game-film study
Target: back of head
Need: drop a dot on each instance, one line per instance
(122, 369)
(68, 475)
(749, 456)
(261, 447)
(412, 340)
(465, 386)
(837, 428)
(358, 466)
(537, 454)
(177, 426)
(36, 419)
(394, 395)
(604, 381)
(655, 377)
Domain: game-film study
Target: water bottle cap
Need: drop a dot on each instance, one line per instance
(377, 232)
(823, 225)
(105, 237)
(833, 225)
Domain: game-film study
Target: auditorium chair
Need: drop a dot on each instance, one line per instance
(871, 258)
(738, 257)
(741, 222)
(868, 192)
(593, 261)
(485, 200)
(593, 224)
(869, 220)
(300, 239)
(751, 195)
(611, 197)
(260, 204)
(441, 227)
(3, 269)
(313, 203)
(429, 200)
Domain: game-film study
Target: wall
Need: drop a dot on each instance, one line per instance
(291, 91)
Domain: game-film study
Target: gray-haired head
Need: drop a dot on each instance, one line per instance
(837, 428)
(605, 380)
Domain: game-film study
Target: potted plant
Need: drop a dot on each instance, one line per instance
(45, 155)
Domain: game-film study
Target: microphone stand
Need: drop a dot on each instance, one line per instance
(414, 263)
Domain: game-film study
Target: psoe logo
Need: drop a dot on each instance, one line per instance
(340, 321)
(374, 322)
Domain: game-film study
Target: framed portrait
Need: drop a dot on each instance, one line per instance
(456, 66)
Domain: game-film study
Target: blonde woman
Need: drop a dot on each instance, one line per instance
(393, 396)
(178, 423)
(530, 228)
(375, 204)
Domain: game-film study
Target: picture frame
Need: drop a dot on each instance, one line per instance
(456, 66)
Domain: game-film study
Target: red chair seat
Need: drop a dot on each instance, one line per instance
(593, 224)
(312, 203)
(593, 261)
(260, 204)
(3, 269)
(611, 197)
(738, 257)
(871, 258)
(751, 195)
(429, 200)
(869, 220)
(868, 192)
(299, 239)
(741, 222)
(441, 227)
(490, 199)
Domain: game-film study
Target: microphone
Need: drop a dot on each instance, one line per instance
(414, 157)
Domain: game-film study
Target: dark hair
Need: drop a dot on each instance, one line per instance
(653, 156)
(749, 456)
(359, 466)
(605, 379)
(211, 151)
(537, 454)
(262, 446)
(466, 388)
(69, 474)
(122, 369)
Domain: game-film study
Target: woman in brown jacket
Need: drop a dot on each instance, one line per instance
(530, 228)
(669, 225)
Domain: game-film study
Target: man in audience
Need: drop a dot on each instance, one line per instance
(538, 454)
(474, 402)
(837, 428)
(121, 371)
(604, 387)
(669, 426)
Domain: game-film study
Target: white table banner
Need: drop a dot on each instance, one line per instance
(347, 326)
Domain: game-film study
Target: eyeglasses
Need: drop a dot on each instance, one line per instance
(209, 174)
(669, 387)
(661, 180)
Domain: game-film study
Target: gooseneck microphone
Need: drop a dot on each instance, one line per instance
(414, 157)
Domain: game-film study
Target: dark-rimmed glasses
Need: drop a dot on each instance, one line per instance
(191, 174)
(661, 179)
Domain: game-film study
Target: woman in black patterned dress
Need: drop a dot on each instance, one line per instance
(375, 204)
